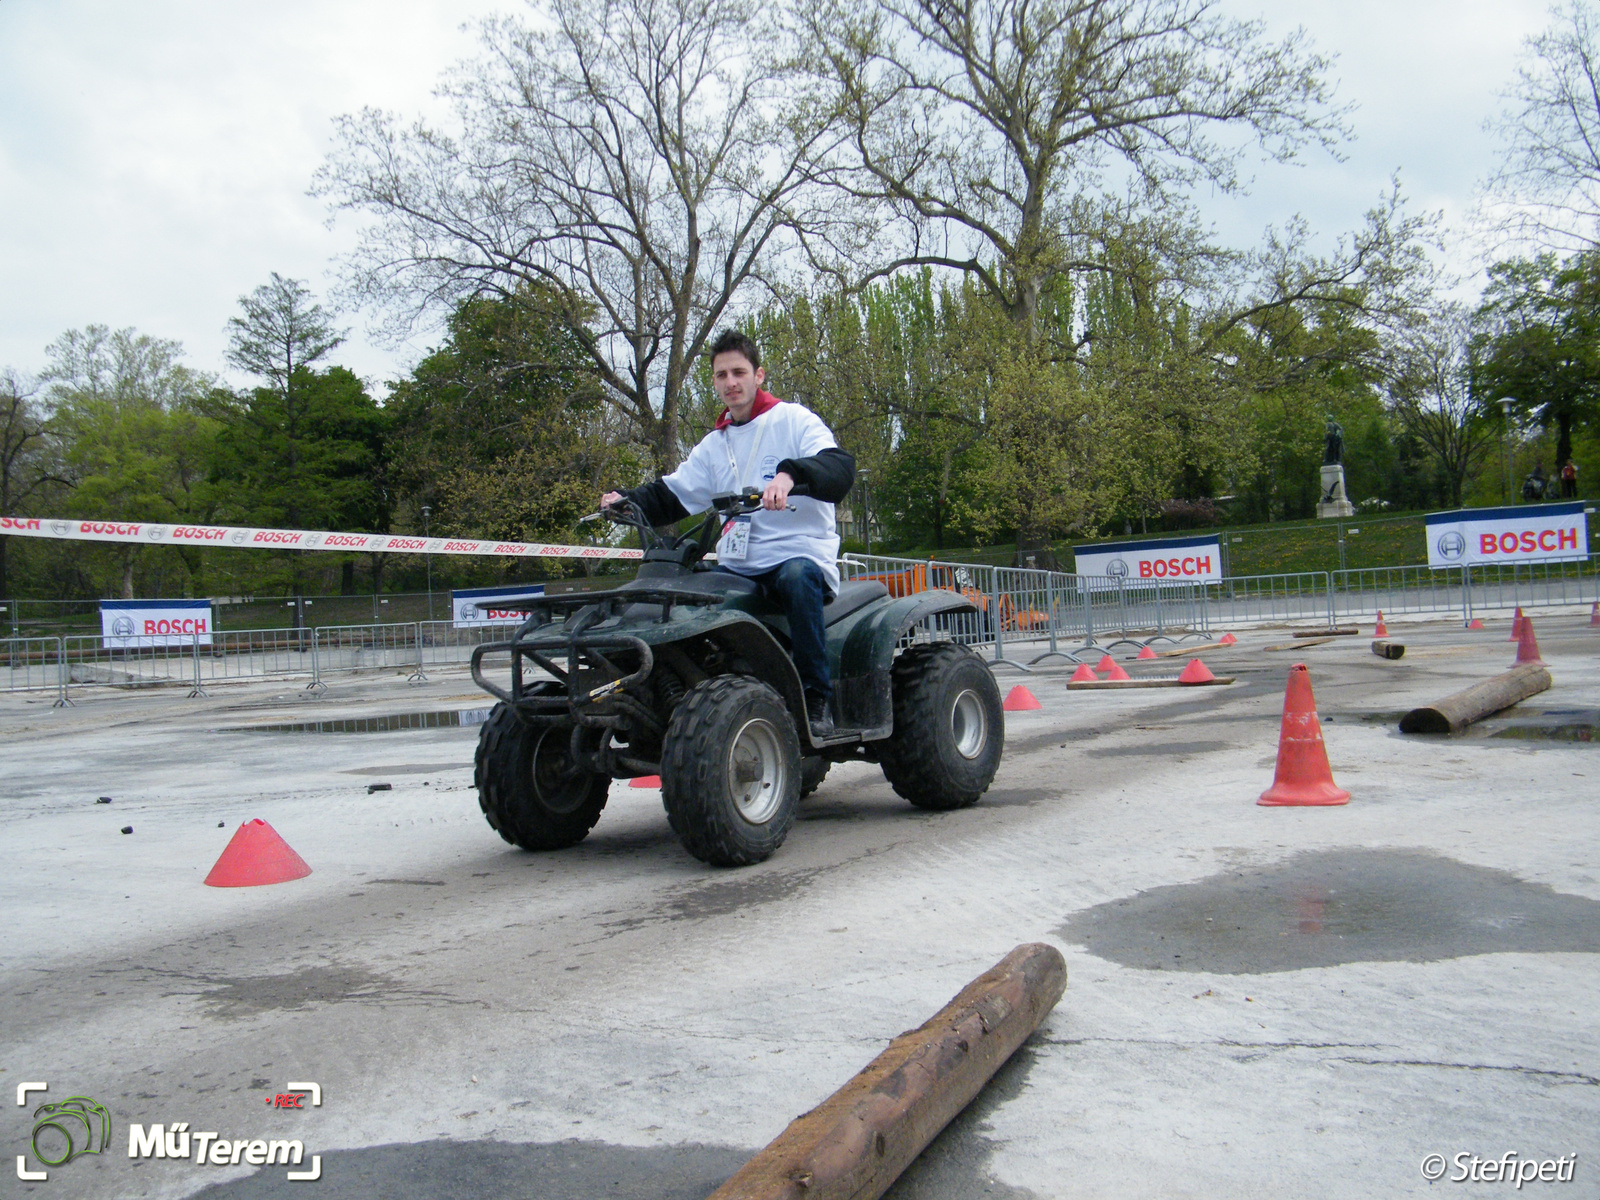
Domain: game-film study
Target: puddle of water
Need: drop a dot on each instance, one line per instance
(1577, 732)
(1324, 908)
(385, 724)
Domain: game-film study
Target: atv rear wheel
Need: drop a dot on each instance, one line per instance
(949, 729)
(730, 771)
(530, 790)
(813, 770)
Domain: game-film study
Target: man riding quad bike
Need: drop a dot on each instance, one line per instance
(684, 672)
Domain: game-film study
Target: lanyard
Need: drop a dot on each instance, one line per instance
(733, 463)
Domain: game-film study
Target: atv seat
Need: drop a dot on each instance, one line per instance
(852, 597)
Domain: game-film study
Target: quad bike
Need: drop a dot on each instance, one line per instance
(684, 673)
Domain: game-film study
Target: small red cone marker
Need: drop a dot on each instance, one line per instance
(1382, 630)
(1196, 672)
(1106, 663)
(1303, 776)
(1116, 672)
(1527, 645)
(1516, 625)
(1145, 652)
(1020, 699)
(1474, 624)
(255, 856)
(1594, 616)
(1084, 674)
(1227, 639)
(645, 781)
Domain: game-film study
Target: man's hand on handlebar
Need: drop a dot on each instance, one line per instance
(776, 495)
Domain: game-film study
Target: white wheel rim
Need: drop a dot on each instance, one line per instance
(969, 724)
(758, 774)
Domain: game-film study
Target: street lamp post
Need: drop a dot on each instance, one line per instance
(1505, 441)
(427, 511)
(866, 508)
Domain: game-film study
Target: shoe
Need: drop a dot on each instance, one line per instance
(821, 719)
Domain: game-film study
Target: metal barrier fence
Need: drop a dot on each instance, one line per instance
(34, 664)
(1465, 589)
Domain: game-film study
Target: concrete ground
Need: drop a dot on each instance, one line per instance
(1261, 1002)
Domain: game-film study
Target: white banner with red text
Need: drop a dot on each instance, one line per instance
(473, 608)
(235, 537)
(1171, 560)
(1520, 534)
(133, 624)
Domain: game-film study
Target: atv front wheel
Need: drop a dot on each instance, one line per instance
(530, 790)
(730, 771)
(949, 729)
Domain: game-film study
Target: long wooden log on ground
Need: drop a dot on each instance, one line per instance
(1386, 649)
(1088, 685)
(1455, 712)
(1336, 631)
(854, 1144)
(1301, 645)
(1182, 650)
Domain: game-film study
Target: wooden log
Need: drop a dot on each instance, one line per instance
(1088, 685)
(1182, 650)
(1384, 649)
(1460, 709)
(854, 1144)
(1301, 645)
(1336, 631)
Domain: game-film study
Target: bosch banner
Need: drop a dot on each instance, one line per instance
(1171, 560)
(464, 605)
(1528, 533)
(129, 624)
(228, 536)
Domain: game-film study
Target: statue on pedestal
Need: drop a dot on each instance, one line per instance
(1334, 502)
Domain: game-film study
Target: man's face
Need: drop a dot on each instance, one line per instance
(736, 382)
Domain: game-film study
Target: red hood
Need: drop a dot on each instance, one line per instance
(764, 401)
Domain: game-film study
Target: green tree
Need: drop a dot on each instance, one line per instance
(30, 466)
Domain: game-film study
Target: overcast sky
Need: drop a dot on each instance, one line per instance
(155, 154)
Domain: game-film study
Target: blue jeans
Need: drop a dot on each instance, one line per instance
(799, 588)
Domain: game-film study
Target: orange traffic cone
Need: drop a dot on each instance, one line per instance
(1527, 645)
(1084, 674)
(1116, 672)
(1106, 663)
(1474, 624)
(1145, 652)
(1303, 776)
(1196, 672)
(1594, 616)
(254, 856)
(1516, 625)
(1382, 630)
(1227, 639)
(1020, 699)
(645, 781)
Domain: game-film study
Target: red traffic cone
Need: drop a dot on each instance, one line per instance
(645, 781)
(1145, 652)
(1474, 624)
(1195, 672)
(1084, 674)
(1382, 630)
(1020, 699)
(1106, 663)
(1527, 645)
(1516, 625)
(1116, 672)
(256, 855)
(1303, 776)
(1594, 616)
(1227, 639)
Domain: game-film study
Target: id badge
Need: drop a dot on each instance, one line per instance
(735, 543)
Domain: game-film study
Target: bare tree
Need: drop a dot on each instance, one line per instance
(1431, 392)
(996, 134)
(640, 161)
(1547, 189)
(28, 464)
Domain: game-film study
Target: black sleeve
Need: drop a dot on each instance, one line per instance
(657, 502)
(830, 473)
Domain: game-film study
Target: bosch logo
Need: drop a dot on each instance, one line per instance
(468, 613)
(239, 537)
(155, 533)
(1117, 569)
(314, 539)
(1451, 545)
(123, 627)
(60, 528)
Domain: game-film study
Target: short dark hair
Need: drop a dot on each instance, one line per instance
(732, 341)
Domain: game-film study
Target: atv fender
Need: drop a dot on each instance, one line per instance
(861, 651)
